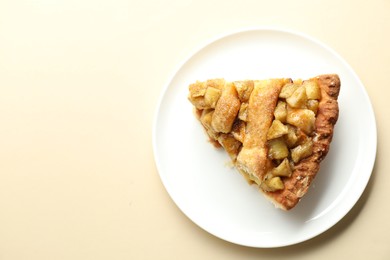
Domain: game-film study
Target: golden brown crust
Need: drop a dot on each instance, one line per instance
(305, 171)
(226, 109)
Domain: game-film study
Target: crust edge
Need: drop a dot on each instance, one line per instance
(298, 184)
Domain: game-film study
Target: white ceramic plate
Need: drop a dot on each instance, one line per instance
(215, 196)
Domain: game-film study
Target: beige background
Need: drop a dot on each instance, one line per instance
(79, 84)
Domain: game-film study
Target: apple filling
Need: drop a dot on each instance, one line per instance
(290, 137)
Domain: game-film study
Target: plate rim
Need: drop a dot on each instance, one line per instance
(373, 146)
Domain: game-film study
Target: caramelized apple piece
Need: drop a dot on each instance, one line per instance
(288, 90)
(291, 137)
(302, 137)
(277, 149)
(313, 91)
(302, 151)
(280, 112)
(272, 184)
(283, 169)
(276, 130)
(211, 96)
(312, 104)
(244, 89)
(204, 95)
(301, 118)
(298, 98)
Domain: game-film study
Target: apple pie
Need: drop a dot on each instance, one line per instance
(276, 131)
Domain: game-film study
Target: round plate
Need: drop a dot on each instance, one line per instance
(215, 196)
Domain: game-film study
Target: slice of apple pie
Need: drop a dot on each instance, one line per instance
(276, 131)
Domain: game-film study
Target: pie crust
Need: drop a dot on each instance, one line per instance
(264, 124)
